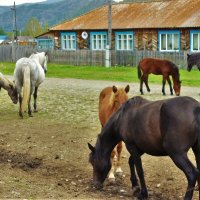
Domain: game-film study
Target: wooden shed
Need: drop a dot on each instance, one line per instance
(165, 25)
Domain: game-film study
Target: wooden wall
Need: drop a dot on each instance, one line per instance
(144, 39)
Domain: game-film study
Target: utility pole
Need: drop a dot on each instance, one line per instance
(109, 33)
(14, 37)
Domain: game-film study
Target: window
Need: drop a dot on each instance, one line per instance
(45, 44)
(68, 41)
(98, 40)
(124, 40)
(195, 40)
(169, 40)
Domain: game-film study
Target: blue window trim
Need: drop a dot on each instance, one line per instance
(98, 33)
(124, 33)
(191, 39)
(67, 33)
(169, 32)
(38, 40)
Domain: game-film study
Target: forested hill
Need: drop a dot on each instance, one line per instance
(50, 11)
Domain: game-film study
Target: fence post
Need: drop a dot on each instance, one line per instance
(107, 58)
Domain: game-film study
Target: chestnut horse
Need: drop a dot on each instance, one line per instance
(167, 127)
(159, 67)
(110, 99)
(193, 59)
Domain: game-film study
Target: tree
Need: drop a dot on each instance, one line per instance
(33, 27)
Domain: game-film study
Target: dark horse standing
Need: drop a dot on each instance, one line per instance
(193, 59)
(160, 128)
(159, 67)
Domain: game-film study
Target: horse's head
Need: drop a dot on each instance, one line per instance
(101, 166)
(120, 94)
(12, 92)
(177, 87)
(189, 67)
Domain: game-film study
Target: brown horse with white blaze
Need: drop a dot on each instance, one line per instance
(110, 99)
(162, 67)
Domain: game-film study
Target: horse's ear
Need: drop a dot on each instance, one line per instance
(114, 88)
(91, 148)
(46, 53)
(127, 88)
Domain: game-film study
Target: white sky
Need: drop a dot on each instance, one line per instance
(17, 2)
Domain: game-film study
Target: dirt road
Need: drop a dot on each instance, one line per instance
(46, 156)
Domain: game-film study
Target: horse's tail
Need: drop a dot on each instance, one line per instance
(26, 89)
(139, 71)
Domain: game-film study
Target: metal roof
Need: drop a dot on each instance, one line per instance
(161, 14)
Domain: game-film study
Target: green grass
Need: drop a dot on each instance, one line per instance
(124, 74)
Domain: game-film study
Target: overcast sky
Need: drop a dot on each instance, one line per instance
(17, 2)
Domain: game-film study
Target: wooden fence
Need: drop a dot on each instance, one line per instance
(9, 53)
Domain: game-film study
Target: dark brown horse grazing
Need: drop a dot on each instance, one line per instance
(159, 67)
(110, 99)
(193, 59)
(160, 128)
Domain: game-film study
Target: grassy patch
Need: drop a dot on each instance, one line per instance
(124, 74)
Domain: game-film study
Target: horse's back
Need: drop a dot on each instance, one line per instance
(158, 127)
(156, 66)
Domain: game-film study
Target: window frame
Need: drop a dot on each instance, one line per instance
(124, 45)
(192, 32)
(71, 46)
(167, 35)
(46, 46)
(98, 37)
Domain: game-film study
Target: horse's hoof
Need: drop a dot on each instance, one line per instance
(136, 190)
(35, 111)
(119, 174)
(111, 180)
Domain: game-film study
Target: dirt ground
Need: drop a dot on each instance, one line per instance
(46, 156)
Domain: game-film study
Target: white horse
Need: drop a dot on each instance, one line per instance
(10, 87)
(29, 73)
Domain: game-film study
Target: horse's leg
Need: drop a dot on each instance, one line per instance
(170, 85)
(141, 85)
(163, 85)
(29, 103)
(119, 150)
(196, 150)
(20, 105)
(183, 163)
(35, 99)
(111, 175)
(146, 82)
(135, 160)
(134, 180)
